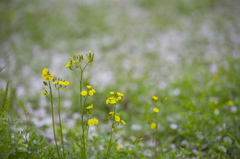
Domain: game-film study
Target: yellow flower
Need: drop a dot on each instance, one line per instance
(89, 87)
(117, 118)
(84, 93)
(118, 147)
(123, 122)
(55, 82)
(90, 122)
(112, 93)
(90, 92)
(119, 94)
(153, 125)
(66, 83)
(47, 78)
(68, 64)
(111, 113)
(44, 92)
(95, 121)
(51, 76)
(90, 106)
(60, 82)
(156, 110)
(230, 102)
(45, 71)
(155, 98)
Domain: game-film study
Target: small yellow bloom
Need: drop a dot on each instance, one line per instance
(111, 113)
(230, 102)
(55, 82)
(113, 101)
(153, 125)
(90, 106)
(68, 64)
(155, 98)
(95, 121)
(44, 92)
(90, 122)
(156, 110)
(112, 93)
(118, 147)
(45, 71)
(90, 92)
(117, 118)
(84, 93)
(60, 82)
(66, 83)
(123, 122)
(119, 94)
(89, 87)
(51, 76)
(47, 78)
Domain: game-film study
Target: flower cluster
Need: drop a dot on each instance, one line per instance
(76, 60)
(153, 125)
(117, 118)
(46, 75)
(60, 83)
(92, 121)
(89, 92)
(116, 97)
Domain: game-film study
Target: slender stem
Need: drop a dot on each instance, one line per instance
(82, 115)
(112, 129)
(53, 122)
(60, 122)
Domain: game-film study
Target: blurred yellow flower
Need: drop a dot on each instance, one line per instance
(84, 93)
(153, 125)
(156, 110)
(155, 98)
(118, 147)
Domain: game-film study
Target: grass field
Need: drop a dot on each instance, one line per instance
(187, 51)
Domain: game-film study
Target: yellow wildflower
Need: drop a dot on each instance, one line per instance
(230, 102)
(117, 118)
(111, 113)
(95, 121)
(153, 125)
(84, 93)
(66, 83)
(155, 98)
(55, 82)
(89, 87)
(90, 106)
(112, 93)
(90, 122)
(156, 110)
(68, 64)
(118, 147)
(123, 122)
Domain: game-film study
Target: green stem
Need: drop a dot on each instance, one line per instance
(82, 115)
(53, 122)
(60, 122)
(112, 129)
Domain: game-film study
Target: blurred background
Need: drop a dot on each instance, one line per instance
(188, 51)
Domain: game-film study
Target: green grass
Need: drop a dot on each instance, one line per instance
(187, 51)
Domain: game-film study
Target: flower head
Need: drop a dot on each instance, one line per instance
(155, 98)
(118, 147)
(156, 110)
(92, 122)
(117, 118)
(90, 106)
(153, 125)
(123, 122)
(83, 93)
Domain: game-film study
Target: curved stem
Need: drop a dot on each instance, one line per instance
(60, 122)
(53, 122)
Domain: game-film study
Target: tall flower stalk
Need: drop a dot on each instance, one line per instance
(78, 65)
(59, 85)
(115, 119)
